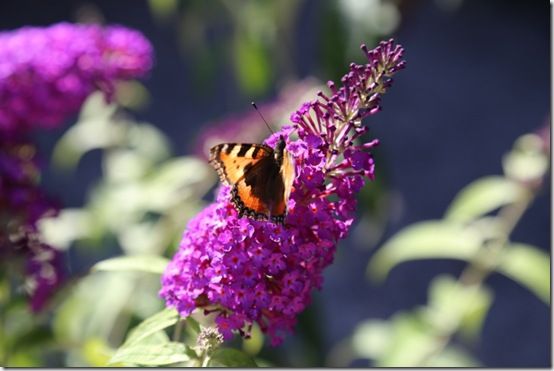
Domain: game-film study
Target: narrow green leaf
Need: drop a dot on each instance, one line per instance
(227, 357)
(151, 325)
(425, 240)
(141, 263)
(527, 160)
(151, 354)
(483, 196)
(193, 324)
(529, 266)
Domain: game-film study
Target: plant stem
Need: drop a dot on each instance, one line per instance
(479, 268)
(177, 331)
(205, 360)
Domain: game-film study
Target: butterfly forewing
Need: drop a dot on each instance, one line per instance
(232, 160)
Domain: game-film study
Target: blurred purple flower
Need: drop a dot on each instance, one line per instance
(44, 269)
(22, 204)
(255, 271)
(46, 73)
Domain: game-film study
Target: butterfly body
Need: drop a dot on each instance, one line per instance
(260, 178)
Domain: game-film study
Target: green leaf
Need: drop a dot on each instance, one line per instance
(141, 263)
(528, 160)
(143, 238)
(529, 266)
(125, 165)
(23, 360)
(452, 306)
(255, 343)
(425, 240)
(148, 141)
(227, 357)
(372, 338)
(69, 225)
(453, 356)
(94, 129)
(149, 338)
(474, 318)
(178, 179)
(406, 340)
(151, 325)
(82, 315)
(96, 352)
(132, 94)
(410, 340)
(193, 324)
(151, 354)
(483, 196)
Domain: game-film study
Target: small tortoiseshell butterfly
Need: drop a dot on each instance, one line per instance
(260, 178)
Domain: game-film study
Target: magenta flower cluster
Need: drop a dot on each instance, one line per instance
(45, 75)
(250, 271)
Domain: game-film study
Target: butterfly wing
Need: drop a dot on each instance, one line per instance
(258, 187)
(232, 160)
(259, 194)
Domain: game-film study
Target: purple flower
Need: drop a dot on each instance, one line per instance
(22, 204)
(267, 275)
(45, 273)
(46, 73)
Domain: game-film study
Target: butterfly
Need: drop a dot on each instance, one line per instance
(260, 178)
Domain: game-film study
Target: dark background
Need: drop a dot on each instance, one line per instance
(477, 78)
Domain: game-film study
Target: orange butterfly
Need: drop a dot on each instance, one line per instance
(260, 178)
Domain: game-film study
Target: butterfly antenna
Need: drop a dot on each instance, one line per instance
(259, 113)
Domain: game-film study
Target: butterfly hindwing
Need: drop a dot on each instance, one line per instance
(260, 193)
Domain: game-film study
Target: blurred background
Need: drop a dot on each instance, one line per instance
(477, 78)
